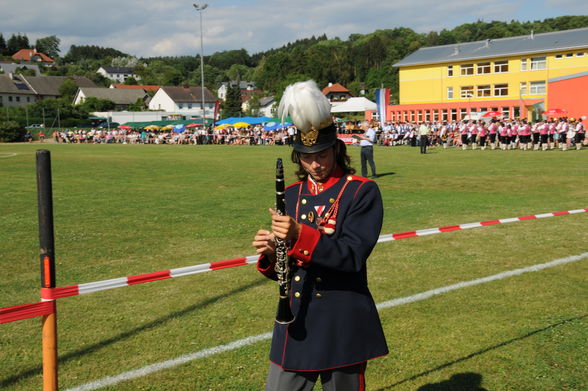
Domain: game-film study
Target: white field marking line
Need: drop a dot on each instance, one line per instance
(7, 154)
(149, 369)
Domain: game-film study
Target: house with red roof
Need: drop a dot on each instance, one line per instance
(32, 56)
(336, 93)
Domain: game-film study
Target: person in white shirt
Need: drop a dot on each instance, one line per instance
(366, 142)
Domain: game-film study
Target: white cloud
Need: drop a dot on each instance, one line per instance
(172, 27)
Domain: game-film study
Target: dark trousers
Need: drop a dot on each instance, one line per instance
(424, 141)
(367, 155)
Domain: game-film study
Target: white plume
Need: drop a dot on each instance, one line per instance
(306, 104)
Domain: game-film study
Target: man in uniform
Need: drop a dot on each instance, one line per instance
(424, 130)
(333, 222)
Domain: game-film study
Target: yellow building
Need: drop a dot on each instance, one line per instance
(510, 75)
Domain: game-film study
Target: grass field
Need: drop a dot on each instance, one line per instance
(123, 210)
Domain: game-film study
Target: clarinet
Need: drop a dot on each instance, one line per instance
(284, 313)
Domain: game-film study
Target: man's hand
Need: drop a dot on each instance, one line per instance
(264, 242)
(285, 227)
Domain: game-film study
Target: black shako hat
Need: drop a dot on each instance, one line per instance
(315, 140)
(310, 111)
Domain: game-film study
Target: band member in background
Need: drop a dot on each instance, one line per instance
(580, 134)
(332, 224)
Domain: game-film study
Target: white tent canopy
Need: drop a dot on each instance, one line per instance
(354, 105)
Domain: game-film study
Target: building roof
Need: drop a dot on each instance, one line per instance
(114, 70)
(118, 96)
(9, 85)
(567, 77)
(28, 54)
(136, 87)
(355, 105)
(503, 47)
(243, 85)
(12, 68)
(335, 87)
(188, 94)
(49, 85)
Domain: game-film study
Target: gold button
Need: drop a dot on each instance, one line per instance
(303, 201)
(297, 278)
(297, 294)
(349, 178)
(318, 279)
(303, 217)
(331, 200)
(318, 295)
(326, 215)
(306, 252)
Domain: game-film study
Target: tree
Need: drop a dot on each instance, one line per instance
(16, 43)
(68, 90)
(92, 103)
(3, 48)
(11, 131)
(49, 46)
(232, 105)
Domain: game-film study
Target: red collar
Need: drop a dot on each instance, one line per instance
(315, 188)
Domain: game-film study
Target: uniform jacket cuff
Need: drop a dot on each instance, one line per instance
(304, 247)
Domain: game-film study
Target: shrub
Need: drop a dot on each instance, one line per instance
(11, 131)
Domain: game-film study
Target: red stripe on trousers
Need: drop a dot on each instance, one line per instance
(141, 278)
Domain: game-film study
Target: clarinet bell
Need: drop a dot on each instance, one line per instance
(284, 313)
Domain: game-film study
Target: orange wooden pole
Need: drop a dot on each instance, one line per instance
(49, 343)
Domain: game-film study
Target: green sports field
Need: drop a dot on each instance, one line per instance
(123, 210)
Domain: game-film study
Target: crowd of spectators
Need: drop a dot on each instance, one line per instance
(563, 133)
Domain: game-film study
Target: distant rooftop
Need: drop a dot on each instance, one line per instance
(503, 47)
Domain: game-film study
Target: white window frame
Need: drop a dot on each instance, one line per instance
(580, 54)
(466, 92)
(501, 66)
(537, 87)
(538, 63)
(483, 68)
(501, 89)
(484, 91)
(559, 56)
(523, 88)
(466, 69)
(449, 70)
(523, 64)
(449, 92)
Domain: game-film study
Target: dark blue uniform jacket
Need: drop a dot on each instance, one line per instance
(336, 323)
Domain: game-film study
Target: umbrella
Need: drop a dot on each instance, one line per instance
(493, 114)
(241, 125)
(151, 127)
(167, 127)
(221, 126)
(126, 127)
(179, 128)
(194, 125)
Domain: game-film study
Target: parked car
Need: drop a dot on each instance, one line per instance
(35, 126)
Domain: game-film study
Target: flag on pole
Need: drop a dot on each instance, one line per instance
(382, 101)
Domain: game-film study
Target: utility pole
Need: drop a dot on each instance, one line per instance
(200, 8)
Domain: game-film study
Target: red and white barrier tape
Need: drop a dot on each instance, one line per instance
(449, 228)
(11, 314)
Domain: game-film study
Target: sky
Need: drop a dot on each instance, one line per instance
(172, 27)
